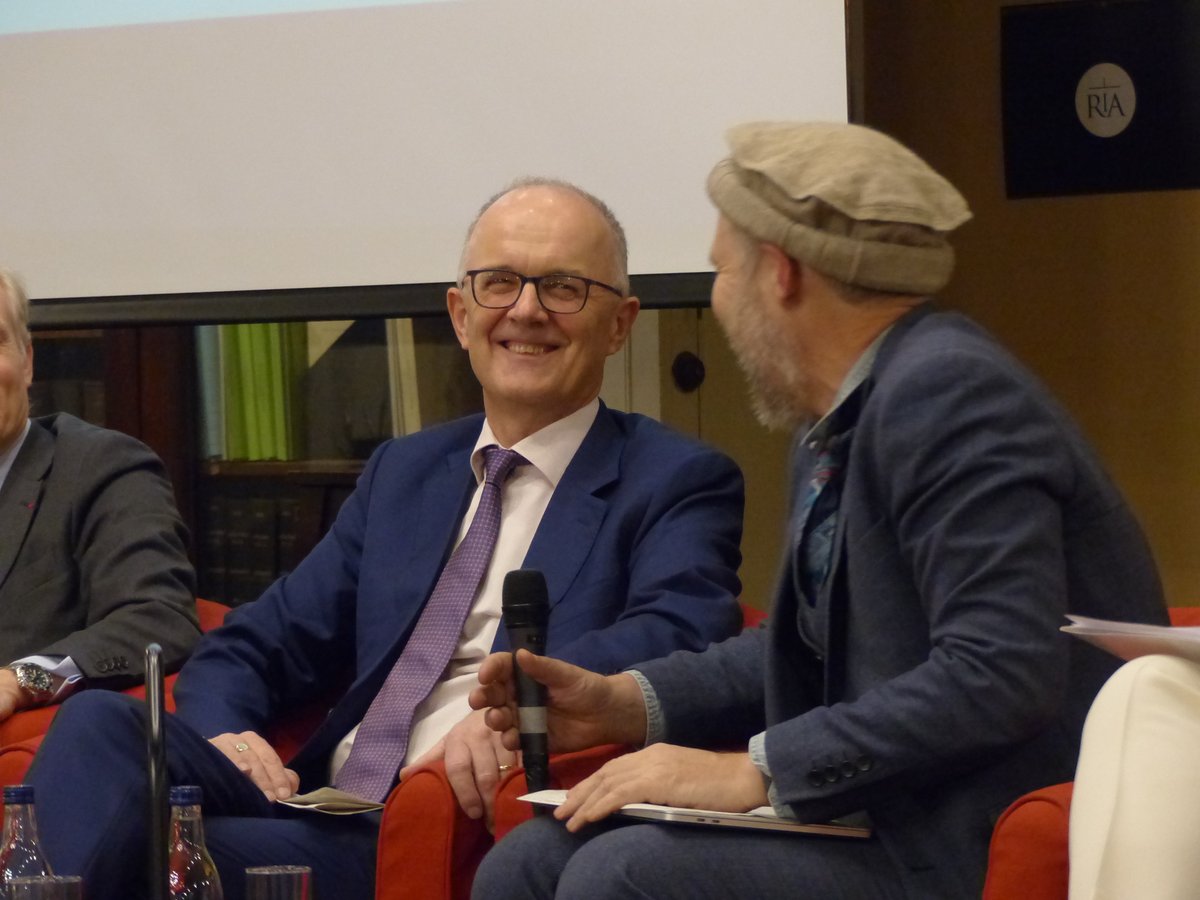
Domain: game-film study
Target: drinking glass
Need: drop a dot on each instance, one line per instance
(279, 883)
(46, 887)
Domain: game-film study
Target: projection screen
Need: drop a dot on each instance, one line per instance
(196, 160)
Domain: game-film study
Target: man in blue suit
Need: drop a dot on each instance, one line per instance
(635, 528)
(946, 514)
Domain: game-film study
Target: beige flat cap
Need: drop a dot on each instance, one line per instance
(847, 200)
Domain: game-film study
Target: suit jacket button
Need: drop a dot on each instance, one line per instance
(815, 778)
(849, 770)
(831, 774)
(864, 763)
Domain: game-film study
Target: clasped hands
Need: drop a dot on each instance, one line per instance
(586, 710)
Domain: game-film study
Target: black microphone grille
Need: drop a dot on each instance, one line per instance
(524, 589)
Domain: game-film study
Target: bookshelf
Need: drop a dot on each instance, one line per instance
(69, 375)
(251, 520)
(128, 379)
(258, 519)
(289, 412)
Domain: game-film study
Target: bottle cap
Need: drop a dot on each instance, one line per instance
(18, 793)
(185, 795)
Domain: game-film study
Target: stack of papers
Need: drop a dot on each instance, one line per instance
(1129, 640)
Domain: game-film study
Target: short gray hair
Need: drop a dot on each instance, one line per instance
(620, 261)
(18, 303)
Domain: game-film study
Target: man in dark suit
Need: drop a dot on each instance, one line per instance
(946, 514)
(635, 528)
(93, 564)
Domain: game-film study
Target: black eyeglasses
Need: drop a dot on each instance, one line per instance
(560, 294)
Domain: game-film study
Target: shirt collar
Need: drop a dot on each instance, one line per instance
(826, 425)
(9, 455)
(549, 450)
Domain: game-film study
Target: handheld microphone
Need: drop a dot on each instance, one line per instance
(526, 606)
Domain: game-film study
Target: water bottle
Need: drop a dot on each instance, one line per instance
(21, 852)
(192, 874)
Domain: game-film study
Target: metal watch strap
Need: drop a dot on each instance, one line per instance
(34, 680)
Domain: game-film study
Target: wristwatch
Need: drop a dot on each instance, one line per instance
(34, 680)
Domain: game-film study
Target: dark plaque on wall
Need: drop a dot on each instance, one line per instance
(1101, 96)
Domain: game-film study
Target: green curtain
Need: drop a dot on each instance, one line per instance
(263, 368)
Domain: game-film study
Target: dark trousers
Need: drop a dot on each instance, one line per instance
(91, 795)
(541, 860)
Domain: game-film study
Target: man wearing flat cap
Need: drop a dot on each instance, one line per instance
(945, 514)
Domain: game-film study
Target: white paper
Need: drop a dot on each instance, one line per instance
(332, 802)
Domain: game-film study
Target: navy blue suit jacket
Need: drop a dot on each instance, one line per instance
(973, 517)
(639, 546)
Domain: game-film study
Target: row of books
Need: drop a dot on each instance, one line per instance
(247, 541)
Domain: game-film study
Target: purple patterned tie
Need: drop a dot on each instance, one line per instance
(382, 737)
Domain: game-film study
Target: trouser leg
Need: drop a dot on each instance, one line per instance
(339, 849)
(528, 862)
(1135, 813)
(635, 862)
(92, 792)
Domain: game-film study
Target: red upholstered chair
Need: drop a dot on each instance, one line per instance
(429, 849)
(33, 723)
(21, 734)
(1027, 859)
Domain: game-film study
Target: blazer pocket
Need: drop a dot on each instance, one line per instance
(42, 579)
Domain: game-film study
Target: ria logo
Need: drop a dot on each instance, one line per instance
(1105, 100)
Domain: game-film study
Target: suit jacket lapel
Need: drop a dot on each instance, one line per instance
(444, 501)
(573, 518)
(431, 529)
(21, 495)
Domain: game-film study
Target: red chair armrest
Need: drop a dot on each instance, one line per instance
(429, 848)
(15, 760)
(23, 725)
(1027, 859)
(427, 845)
(1185, 616)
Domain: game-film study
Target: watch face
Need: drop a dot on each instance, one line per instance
(34, 679)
